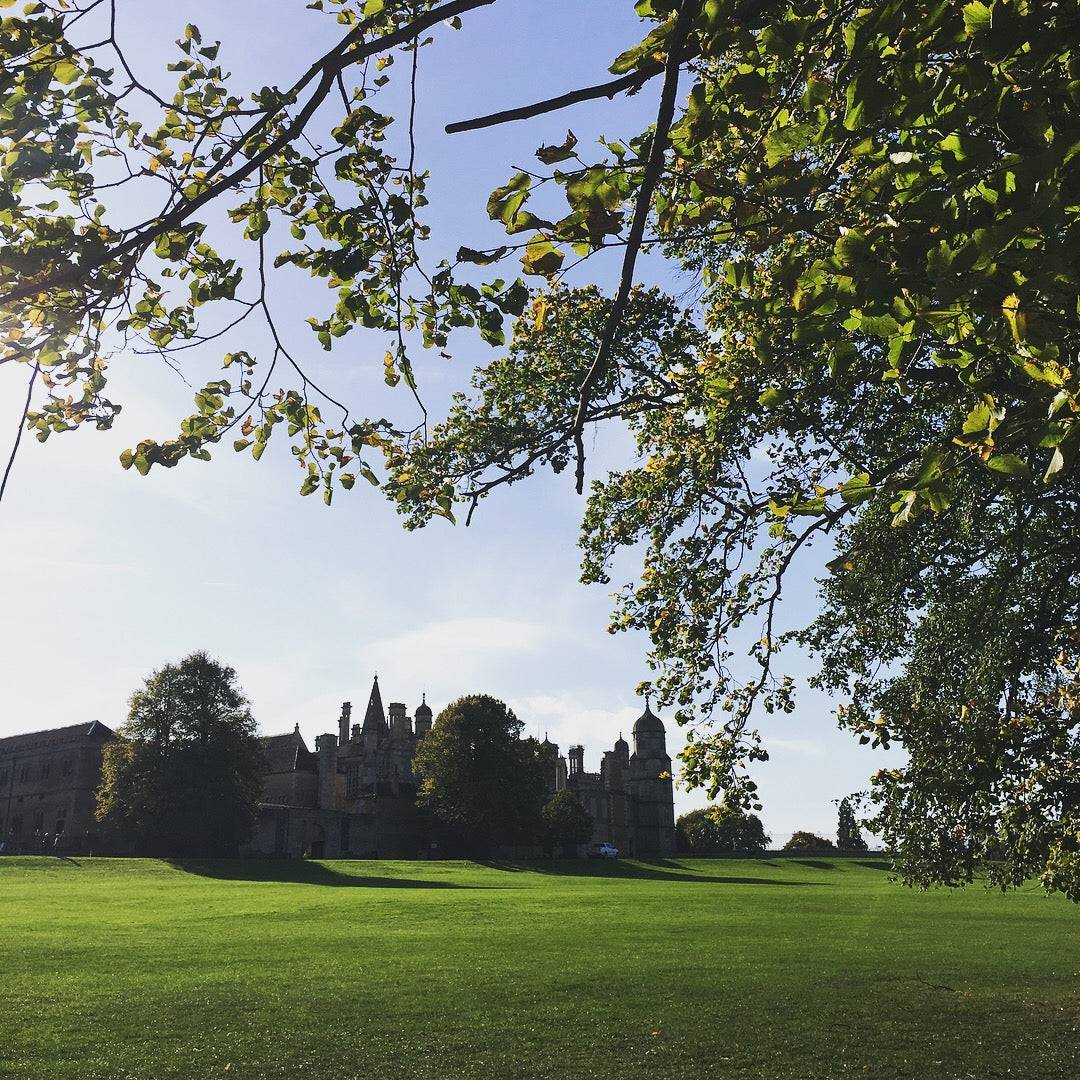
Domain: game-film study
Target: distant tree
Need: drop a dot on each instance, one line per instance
(848, 836)
(566, 822)
(480, 778)
(718, 829)
(808, 841)
(185, 775)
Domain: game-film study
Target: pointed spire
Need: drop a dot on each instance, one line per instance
(375, 717)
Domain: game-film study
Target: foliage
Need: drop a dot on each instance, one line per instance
(879, 202)
(848, 835)
(808, 841)
(85, 149)
(478, 776)
(186, 772)
(879, 206)
(719, 829)
(566, 822)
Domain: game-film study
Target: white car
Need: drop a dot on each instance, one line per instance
(602, 851)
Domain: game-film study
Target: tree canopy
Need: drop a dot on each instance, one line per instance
(876, 209)
(808, 841)
(480, 778)
(714, 830)
(186, 771)
(849, 836)
(566, 823)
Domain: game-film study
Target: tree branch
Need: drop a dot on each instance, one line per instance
(19, 430)
(665, 113)
(632, 81)
(350, 50)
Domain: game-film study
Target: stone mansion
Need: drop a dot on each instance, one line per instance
(352, 796)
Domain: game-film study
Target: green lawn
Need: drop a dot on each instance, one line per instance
(685, 968)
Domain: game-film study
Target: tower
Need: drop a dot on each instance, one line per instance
(649, 784)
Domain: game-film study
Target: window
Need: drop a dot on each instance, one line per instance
(45, 766)
(3, 777)
(16, 824)
(67, 767)
(352, 782)
(61, 819)
(24, 774)
(39, 821)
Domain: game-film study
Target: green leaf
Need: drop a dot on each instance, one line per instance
(978, 17)
(930, 467)
(1010, 465)
(857, 489)
(66, 72)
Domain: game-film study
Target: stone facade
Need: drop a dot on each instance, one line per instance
(632, 797)
(353, 796)
(48, 781)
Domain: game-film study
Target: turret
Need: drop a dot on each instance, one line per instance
(343, 722)
(649, 783)
(649, 738)
(423, 718)
(622, 750)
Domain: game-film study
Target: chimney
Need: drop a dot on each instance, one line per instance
(577, 759)
(400, 724)
(326, 747)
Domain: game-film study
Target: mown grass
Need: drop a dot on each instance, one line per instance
(685, 968)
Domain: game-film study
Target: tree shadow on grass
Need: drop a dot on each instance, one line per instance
(300, 872)
(876, 864)
(634, 870)
(842, 863)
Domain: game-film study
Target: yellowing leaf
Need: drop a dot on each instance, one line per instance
(1014, 316)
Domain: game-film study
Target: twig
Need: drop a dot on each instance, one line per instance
(18, 433)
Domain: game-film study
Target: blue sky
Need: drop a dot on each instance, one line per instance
(106, 575)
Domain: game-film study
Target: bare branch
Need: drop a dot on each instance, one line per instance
(665, 113)
(633, 81)
(18, 433)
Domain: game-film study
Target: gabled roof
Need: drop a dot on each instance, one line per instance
(288, 753)
(71, 735)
